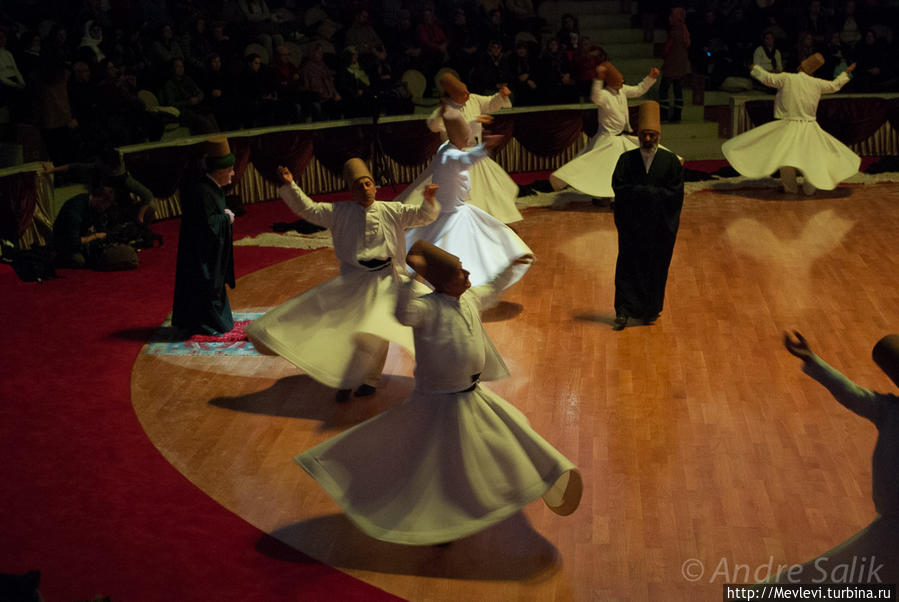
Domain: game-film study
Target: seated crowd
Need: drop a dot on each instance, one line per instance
(105, 73)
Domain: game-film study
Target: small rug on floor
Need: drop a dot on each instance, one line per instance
(168, 340)
(235, 334)
(288, 240)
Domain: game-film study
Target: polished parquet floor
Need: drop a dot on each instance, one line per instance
(707, 455)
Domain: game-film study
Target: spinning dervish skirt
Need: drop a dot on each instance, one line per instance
(822, 159)
(335, 331)
(484, 244)
(591, 172)
(440, 467)
(492, 190)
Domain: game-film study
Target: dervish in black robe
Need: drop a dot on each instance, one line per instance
(205, 259)
(647, 214)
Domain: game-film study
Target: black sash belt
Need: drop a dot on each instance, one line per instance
(474, 379)
(374, 264)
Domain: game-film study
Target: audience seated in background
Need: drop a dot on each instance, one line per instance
(462, 43)
(354, 85)
(318, 78)
(835, 59)
(874, 72)
(220, 94)
(433, 43)
(390, 94)
(361, 34)
(491, 70)
(523, 66)
(848, 25)
(404, 45)
(127, 118)
(767, 56)
(196, 44)
(260, 105)
(165, 48)
(804, 49)
(815, 22)
(89, 50)
(59, 128)
(495, 29)
(128, 50)
(554, 78)
(183, 93)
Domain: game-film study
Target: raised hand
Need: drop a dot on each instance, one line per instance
(798, 347)
(285, 175)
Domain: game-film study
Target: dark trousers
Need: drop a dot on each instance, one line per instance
(669, 111)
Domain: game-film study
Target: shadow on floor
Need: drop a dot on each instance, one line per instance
(509, 551)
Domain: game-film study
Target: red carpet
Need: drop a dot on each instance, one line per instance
(87, 499)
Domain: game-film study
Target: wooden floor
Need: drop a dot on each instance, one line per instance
(707, 455)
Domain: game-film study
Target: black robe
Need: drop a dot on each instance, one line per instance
(205, 259)
(647, 213)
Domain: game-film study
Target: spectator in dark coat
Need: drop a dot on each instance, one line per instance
(525, 89)
(556, 84)
(220, 94)
(463, 43)
(491, 71)
(183, 93)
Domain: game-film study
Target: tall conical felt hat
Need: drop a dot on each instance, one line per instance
(650, 118)
(218, 154)
(812, 63)
(433, 263)
(452, 86)
(457, 129)
(354, 169)
(886, 355)
(613, 76)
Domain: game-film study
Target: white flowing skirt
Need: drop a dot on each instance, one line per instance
(492, 190)
(822, 159)
(591, 172)
(484, 244)
(440, 467)
(336, 331)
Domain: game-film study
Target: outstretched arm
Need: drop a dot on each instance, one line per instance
(488, 295)
(772, 80)
(643, 87)
(321, 214)
(412, 215)
(864, 402)
(492, 104)
(833, 86)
